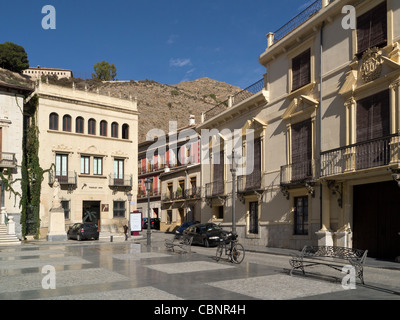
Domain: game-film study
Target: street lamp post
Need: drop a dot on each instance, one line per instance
(148, 183)
(233, 171)
(129, 195)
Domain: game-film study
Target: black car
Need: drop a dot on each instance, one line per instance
(154, 223)
(82, 231)
(184, 226)
(207, 234)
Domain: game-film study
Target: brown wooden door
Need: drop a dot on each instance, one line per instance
(377, 219)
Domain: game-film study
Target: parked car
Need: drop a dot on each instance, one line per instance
(154, 223)
(208, 234)
(184, 226)
(82, 231)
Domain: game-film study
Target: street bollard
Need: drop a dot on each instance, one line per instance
(111, 238)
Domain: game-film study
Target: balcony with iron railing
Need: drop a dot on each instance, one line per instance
(300, 172)
(8, 160)
(234, 100)
(120, 181)
(248, 183)
(154, 192)
(65, 178)
(369, 154)
(215, 189)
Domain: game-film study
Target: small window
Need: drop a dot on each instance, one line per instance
(67, 123)
(119, 209)
(92, 126)
(103, 128)
(85, 169)
(67, 209)
(53, 121)
(301, 70)
(79, 124)
(301, 215)
(97, 166)
(114, 130)
(125, 131)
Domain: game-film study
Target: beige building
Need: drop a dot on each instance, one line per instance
(328, 124)
(89, 142)
(36, 73)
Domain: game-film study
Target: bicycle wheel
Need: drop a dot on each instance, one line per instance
(237, 254)
(218, 254)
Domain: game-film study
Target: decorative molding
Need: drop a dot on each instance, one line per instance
(371, 65)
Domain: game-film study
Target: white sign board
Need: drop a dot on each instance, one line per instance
(136, 221)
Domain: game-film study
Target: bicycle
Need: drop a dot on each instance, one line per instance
(232, 248)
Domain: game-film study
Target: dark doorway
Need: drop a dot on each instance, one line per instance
(91, 212)
(377, 219)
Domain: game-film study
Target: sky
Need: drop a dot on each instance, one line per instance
(167, 41)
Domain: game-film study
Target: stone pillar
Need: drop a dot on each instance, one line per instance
(11, 225)
(325, 236)
(3, 215)
(270, 39)
(56, 217)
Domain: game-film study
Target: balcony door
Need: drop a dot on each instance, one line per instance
(62, 168)
(118, 172)
(301, 151)
(373, 124)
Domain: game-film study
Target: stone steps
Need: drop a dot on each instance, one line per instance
(7, 239)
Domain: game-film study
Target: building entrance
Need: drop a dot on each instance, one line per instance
(91, 212)
(377, 219)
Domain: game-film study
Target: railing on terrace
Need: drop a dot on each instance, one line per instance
(298, 20)
(235, 99)
(363, 155)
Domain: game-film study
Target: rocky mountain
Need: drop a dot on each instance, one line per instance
(160, 103)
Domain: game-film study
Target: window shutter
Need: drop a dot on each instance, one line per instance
(253, 179)
(301, 70)
(372, 28)
(301, 150)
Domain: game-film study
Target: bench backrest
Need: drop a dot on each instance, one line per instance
(335, 252)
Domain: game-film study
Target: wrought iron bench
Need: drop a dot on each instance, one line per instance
(334, 257)
(182, 242)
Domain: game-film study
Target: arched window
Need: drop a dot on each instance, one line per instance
(92, 126)
(67, 123)
(103, 128)
(114, 130)
(79, 125)
(53, 121)
(125, 131)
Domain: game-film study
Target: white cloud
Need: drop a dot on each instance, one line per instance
(172, 39)
(180, 62)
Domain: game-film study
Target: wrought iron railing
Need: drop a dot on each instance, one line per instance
(7, 160)
(298, 20)
(215, 188)
(67, 178)
(300, 172)
(120, 181)
(193, 193)
(363, 155)
(235, 99)
(248, 92)
(248, 183)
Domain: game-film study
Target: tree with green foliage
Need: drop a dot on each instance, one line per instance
(13, 57)
(104, 71)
